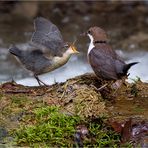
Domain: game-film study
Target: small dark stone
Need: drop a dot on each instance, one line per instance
(3, 133)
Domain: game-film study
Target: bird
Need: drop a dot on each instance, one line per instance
(105, 62)
(47, 50)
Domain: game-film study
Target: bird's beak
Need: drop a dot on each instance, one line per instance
(74, 49)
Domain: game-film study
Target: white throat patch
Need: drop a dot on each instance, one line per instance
(91, 44)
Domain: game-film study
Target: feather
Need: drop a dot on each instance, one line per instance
(47, 36)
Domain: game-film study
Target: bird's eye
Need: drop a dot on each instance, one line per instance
(89, 31)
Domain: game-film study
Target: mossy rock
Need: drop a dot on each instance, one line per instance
(78, 100)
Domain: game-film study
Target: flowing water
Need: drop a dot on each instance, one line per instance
(77, 65)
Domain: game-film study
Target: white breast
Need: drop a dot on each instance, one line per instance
(91, 44)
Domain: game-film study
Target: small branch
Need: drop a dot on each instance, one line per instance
(17, 91)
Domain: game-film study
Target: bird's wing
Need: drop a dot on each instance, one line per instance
(47, 36)
(103, 64)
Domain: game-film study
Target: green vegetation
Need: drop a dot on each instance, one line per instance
(134, 90)
(50, 127)
(137, 79)
(102, 135)
(19, 100)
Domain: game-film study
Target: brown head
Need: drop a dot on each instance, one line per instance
(97, 33)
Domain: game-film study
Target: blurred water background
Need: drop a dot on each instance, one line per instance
(126, 23)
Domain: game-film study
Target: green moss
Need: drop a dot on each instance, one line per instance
(1, 95)
(14, 104)
(19, 100)
(127, 145)
(51, 127)
(138, 109)
(6, 111)
(102, 135)
(134, 90)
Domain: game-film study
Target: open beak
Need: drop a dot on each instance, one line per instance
(74, 49)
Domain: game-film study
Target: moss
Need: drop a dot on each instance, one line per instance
(19, 100)
(134, 90)
(1, 96)
(127, 145)
(51, 127)
(102, 135)
(138, 109)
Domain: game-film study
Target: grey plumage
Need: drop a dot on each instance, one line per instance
(47, 36)
(15, 51)
(33, 60)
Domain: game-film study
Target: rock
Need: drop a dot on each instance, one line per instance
(3, 134)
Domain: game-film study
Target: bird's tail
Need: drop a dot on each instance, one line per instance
(128, 66)
(15, 51)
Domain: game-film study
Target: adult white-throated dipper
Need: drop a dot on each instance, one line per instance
(103, 59)
(47, 53)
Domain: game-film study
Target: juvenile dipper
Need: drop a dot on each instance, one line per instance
(103, 59)
(47, 53)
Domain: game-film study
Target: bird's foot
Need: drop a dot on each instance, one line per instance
(100, 88)
(44, 84)
(117, 84)
(40, 82)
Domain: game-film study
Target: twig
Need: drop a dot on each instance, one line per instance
(17, 91)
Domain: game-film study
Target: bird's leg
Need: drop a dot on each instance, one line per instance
(39, 81)
(116, 85)
(100, 88)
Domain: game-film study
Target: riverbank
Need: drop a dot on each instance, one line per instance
(71, 113)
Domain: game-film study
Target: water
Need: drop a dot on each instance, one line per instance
(77, 65)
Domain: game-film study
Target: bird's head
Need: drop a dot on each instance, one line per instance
(97, 34)
(71, 48)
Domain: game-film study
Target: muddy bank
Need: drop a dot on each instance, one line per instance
(77, 97)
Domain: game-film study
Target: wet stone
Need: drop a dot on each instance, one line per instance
(3, 134)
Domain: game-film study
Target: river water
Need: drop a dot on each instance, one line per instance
(77, 65)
